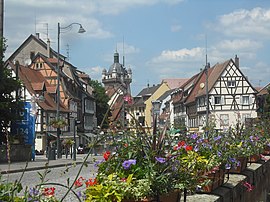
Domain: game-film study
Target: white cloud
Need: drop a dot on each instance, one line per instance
(128, 49)
(94, 72)
(244, 22)
(176, 28)
(238, 44)
(179, 55)
(114, 7)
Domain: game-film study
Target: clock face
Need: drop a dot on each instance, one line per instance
(201, 85)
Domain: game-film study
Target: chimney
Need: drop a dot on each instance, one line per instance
(37, 35)
(236, 61)
(48, 48)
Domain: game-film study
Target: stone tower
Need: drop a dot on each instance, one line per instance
(117, 77)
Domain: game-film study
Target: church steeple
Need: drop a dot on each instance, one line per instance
(116, 57)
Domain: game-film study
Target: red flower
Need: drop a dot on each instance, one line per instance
(79, 182)
(189, 148)
(48, 191)
(106, 155)
(91, 182)
(175, 148)
(181, 143)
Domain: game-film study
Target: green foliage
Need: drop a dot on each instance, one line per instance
(58, 123)
(101, 102)
(9, 191)
(9, 105)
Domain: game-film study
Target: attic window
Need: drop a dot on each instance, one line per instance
(231, 84)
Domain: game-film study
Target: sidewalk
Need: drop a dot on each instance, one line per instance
(40, 163)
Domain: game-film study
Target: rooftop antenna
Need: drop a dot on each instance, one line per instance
(123, 51)
(35, 24)
(47, 29)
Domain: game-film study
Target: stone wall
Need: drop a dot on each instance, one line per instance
(233, 190)
(18, 152)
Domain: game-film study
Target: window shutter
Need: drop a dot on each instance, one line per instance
(240, 99)
(222, 100)
(250, 99)
(212, 100)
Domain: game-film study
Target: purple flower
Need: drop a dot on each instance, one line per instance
(126, 164)
(33, 192)
(227, 166)
(217, 138)
(160, 159)
(219, 154)
(196, 148)
(194, 136)
(98, 162)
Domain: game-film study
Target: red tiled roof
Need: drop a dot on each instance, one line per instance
(213, 74)
(33, 80)
(174, 83)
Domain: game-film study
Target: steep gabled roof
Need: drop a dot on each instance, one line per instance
(213, 74)
(39, 41)
(174, 83)
(148, 90)
(33, 80)
(264, 91)
(165, 95)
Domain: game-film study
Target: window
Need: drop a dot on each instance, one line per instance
(231, 83)
(245, 100)
(217, 100)
(201, 102)
(245, 117)
(224, 120)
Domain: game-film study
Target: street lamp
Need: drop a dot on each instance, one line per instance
(81, 30)
(207, 99)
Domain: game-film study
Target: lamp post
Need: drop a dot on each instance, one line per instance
(207, 100)
(81, 30)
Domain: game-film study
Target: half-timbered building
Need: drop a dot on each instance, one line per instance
(231, 97)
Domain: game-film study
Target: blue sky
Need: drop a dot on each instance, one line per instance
(162, 38)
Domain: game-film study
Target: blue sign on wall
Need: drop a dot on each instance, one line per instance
(25, 126)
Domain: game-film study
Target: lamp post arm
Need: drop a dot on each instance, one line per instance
(69, 26)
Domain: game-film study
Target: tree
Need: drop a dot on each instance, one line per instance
(10, 106)
(102, 100)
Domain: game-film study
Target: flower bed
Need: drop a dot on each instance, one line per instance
(145, 167)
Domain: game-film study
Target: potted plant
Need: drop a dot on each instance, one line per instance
(140, 169)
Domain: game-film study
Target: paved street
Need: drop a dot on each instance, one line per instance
(60, 171)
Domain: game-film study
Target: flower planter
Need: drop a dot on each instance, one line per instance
(173, 196)
(242, 166)
(254, 158)
(266, 150)
(216, 178)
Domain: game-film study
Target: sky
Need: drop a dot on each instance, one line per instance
(159, 38)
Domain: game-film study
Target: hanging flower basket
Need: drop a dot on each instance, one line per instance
(58, 123)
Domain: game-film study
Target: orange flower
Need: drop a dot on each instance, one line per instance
(91, 182)
(106, 155)
(48, 191)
